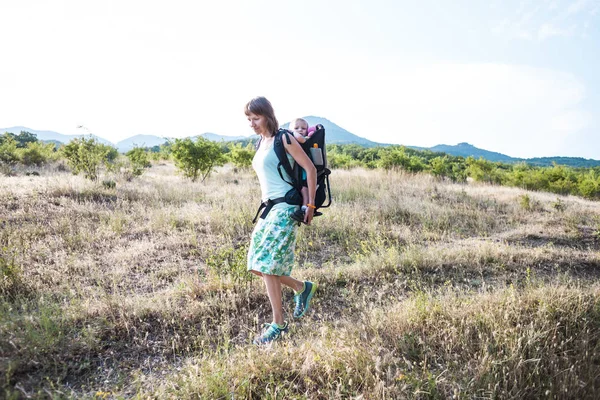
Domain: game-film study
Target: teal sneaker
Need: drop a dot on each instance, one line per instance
(302, 299)
(273, 332)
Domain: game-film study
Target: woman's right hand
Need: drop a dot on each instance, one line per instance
(308, 215)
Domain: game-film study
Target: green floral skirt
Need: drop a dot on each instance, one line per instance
(273, 242)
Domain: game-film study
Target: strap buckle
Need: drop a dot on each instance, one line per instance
(266, 205)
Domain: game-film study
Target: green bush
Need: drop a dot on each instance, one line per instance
(111, 153)
(561, 179)
(11, 282)
(345, 161)
(589, 185)
(399, 157)
(87, 155)
(229, 261)
(22, 139)
(37, 153)
(197, 158)
(165, 151)
(241, 157)
(525, 202)
(138, 159)
(440, 166)
(485, 171)
(8, 150)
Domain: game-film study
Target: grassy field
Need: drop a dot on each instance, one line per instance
(427, 289)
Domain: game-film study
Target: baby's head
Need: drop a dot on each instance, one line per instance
(299, 126)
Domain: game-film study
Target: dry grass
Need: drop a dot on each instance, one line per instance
(427, 290)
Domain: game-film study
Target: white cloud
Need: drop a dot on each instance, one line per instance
(532, 21)
(577, 6)
(517, 110)
(548, 30)
(569, 121)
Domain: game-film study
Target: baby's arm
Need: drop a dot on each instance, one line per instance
(299, 137)
(313, 129)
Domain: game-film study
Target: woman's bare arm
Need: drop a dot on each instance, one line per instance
(302, 159)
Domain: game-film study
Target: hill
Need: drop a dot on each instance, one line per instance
(51, 136)
(140, 141)
(217, 138)
(577, 162)
(335, 133)
(466, 150)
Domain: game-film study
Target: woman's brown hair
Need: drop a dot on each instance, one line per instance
(261, 106)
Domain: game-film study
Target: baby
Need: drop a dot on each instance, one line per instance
(301, 131)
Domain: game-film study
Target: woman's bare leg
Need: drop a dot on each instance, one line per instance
(273, 284)
(293, 283)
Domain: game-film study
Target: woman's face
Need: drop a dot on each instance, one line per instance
(258, 123)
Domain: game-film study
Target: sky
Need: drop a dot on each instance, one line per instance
(516, 77)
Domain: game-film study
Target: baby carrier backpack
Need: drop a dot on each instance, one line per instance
(314, 147)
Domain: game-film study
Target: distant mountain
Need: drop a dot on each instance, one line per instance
(140, 141)
(150, 140)
(217, 138)
(578, 162)
(466, 150)
(51, 136)
(335, 134)
(123, 146)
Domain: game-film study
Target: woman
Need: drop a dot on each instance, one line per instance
(271, 252)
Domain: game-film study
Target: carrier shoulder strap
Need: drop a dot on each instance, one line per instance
(281, 154)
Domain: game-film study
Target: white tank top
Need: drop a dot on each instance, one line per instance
(265, 163)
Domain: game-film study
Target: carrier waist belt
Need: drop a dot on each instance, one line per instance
(266, 207)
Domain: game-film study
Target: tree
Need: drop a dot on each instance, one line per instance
(341, 160)
(111, 152)
(86, 155)
(21, 140)
(139, 160)
(393, 157)
(589, 185)
(482, 170)
(8, 149)
(24, 138)
(440, 166)
(240, 156)
(196, 158)
(37, 153)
